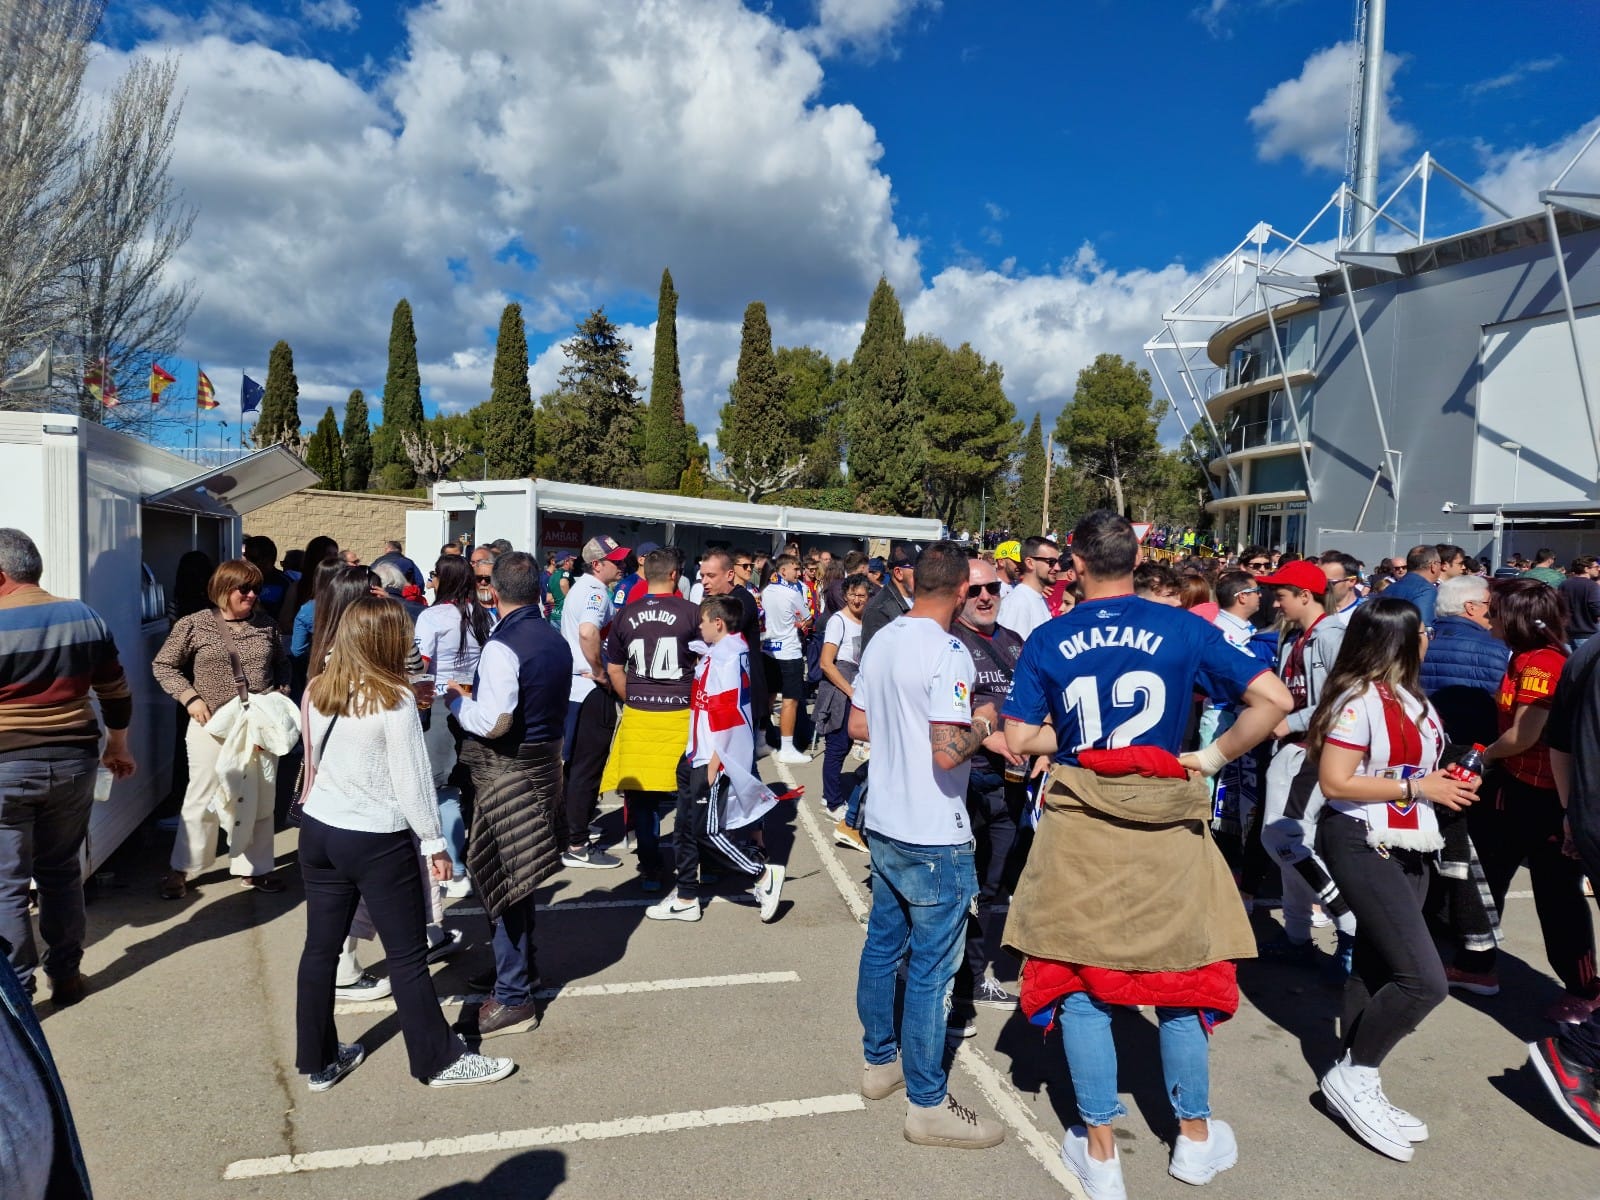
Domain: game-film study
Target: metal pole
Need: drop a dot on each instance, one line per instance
(1572, 323)
(1371, 103)
(983, 514)
(1049, 470)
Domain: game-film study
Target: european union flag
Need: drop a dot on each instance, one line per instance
(250, 393)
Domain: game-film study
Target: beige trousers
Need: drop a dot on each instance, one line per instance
(194, 849)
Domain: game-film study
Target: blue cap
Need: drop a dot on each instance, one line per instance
(875, 564)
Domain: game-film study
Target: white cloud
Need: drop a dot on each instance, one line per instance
(331, 14)
(1211, 15)
(1307, 117)
(1514, 178)
(863, 24)
(1516, 75)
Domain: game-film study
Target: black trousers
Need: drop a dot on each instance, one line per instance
(1521, 823)
(591, 744)
(341, 867)
(1398, 978)
(994, 827)
(699, 823)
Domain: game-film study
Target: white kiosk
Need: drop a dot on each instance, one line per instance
(111, 516)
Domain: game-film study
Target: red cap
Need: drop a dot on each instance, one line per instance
(1299, 574)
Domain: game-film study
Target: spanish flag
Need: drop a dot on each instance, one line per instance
(204, 394)
(101, 385)
(160, 378)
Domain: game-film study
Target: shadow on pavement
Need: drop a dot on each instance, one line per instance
(531, 1176)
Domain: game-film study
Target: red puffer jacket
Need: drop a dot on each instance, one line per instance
(1212, 989)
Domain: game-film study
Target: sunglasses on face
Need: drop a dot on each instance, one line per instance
(248, 589)
(1257, 566)
(1046, 560)
(1248, 591)
(484, 578)
(992, 587)
(743, 566)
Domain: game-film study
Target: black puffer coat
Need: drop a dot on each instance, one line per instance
(516, 823)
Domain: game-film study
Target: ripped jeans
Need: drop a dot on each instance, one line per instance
(1092, 1060)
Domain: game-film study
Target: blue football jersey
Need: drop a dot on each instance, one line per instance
(1122, 672)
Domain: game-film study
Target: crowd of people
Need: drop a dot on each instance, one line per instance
(1042, 724)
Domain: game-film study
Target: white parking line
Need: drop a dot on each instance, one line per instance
(1008, 1105)
(549, 1135)
(571, 991)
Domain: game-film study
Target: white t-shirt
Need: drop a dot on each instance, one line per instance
(843, 631)
(440, 640)
(1023, 610)
(785, 608)
(912, 675)
(587, 603)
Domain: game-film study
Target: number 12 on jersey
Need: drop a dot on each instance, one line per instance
(1144, 692)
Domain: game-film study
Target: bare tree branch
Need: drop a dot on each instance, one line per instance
(754, 479)
(431, 459)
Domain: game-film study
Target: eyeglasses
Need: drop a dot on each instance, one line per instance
(993, 587)
(744, 566)
(1248, 591)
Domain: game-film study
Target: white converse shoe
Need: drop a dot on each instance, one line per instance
(1201, 1162)
(1101, 1180)
(1355, 1095)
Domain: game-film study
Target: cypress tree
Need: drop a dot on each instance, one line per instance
(402, 393)
(357, 443)
(665, 435)
(325, 452)
(509, 440)
(1030, 483)
(759, 450)
(279, 418)
(885, 421)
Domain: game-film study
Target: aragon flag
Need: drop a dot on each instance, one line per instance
(204, 394)
(160, 380)
(100, 384)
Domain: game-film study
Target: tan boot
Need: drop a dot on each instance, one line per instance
(879, 1081)
(952, 1125)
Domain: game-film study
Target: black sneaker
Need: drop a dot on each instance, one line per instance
(592, 857)
(452, 941)
(368, 987)
(991, 995)
(349, 1059)
(1571, 1084)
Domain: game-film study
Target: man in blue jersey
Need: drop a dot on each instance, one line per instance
(1125, 898)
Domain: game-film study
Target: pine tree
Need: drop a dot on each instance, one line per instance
(508, 423)
(1029, 507)
(760, 452)
(357, 443)
(325, 452)
(591, 416)
(1109, 428)
(402, 394)
(665, 436)
(279, 418)
(885, 421)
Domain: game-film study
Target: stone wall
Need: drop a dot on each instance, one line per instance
(357, 520)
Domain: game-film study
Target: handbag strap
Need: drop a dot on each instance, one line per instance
(230, 644)
(322, 746)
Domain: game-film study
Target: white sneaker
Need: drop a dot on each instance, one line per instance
(768, 891)
(1355, 1095)
(473, 1068)
(1200, 1162)
(1101, 1180)
(458, 888)
(1412, 1128)
(670, 908)
(793, 756)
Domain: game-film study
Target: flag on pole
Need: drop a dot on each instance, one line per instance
(160, 380)
(32, 378)
(204, 394)
(250, 394)
(101, 385)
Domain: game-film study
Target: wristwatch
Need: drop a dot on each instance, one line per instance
(990, 730)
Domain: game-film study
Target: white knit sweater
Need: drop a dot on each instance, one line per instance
(374, 775)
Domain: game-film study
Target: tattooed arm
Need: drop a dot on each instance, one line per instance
(954, 744)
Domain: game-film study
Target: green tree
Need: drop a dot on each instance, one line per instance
(1028, 503)
(279, 418)
(760, 452)
(970, 426)
(357, 443)
(506, 419)
(591, 417)
(816, 394)
(1109, 426)
(885, 420)
(402, 394)
(325, 451)
(666, 439)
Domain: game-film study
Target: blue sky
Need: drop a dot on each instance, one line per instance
(1041, 178)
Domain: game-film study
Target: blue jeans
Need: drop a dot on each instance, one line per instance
(920, 898)
(858, 797)
(44, 816)
(514, 969)
(1092, 1060)
(454, 829)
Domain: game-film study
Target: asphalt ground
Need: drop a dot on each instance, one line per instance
(721, 1059)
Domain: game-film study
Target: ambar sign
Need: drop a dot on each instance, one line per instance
(562, 535)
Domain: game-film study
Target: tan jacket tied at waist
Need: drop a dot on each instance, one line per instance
(1123, 874)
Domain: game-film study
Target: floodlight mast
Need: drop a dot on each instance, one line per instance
(1367, 130)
